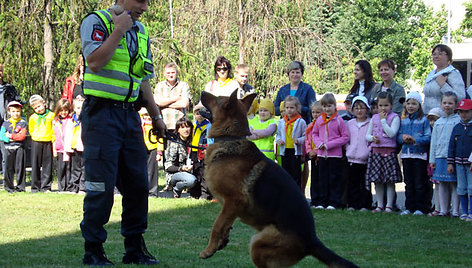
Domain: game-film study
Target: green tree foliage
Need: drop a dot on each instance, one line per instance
(466, 25)
(327, 35)
(377, 29)
(429, 33)
(21, 42)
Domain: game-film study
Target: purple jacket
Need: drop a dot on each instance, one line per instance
(338, 136)
(377, 130)
(357, 150)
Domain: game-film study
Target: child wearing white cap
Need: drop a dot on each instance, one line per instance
(414, 137)
(433, 116)
(357, 153)
(42, 134)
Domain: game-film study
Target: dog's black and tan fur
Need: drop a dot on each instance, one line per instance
(258, 191)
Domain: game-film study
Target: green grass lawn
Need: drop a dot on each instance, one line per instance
(43, 230)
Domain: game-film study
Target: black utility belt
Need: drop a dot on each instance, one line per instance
(113, 103)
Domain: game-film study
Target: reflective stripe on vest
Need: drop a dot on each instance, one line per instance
(121, 78)
(265, 145)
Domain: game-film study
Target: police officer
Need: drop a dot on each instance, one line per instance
(118, 60)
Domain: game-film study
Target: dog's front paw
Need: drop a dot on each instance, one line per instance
(206, 254)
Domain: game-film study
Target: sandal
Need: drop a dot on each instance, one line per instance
(378, 209)
(434, 213)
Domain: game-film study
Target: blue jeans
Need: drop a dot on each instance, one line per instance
(114, 155)
(464, 180)
(182, 180)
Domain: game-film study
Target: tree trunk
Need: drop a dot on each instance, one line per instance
(241, 31)
(48, 79)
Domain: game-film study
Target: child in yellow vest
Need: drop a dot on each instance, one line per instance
(200, 139)
(263, 128)
(154, 152)
(42, 136)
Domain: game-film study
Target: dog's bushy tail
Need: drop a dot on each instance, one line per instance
(328, 257)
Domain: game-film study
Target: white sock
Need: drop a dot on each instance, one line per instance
(437, 205)
(444, 195)
(379, 193)
(390, 194)
(454, 198)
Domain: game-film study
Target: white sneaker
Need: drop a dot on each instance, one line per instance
(319, 207)
(350, 209)
(330, 208)
(418, 212)
(405, 212)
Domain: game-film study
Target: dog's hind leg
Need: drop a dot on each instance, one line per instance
(220, 233)
(271, 248)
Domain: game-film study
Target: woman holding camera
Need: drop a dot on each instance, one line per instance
(442, 79)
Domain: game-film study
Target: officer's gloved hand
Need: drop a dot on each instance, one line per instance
(159, 128)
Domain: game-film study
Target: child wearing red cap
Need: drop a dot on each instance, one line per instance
(13, 133)
(460, 147)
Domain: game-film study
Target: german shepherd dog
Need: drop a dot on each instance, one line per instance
(258, 191)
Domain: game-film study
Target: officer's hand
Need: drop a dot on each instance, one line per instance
(123, 22)
(159, 128)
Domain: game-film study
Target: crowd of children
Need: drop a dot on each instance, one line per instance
(435, 149)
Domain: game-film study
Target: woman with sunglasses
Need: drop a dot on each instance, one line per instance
(224, 84)
(442, 79)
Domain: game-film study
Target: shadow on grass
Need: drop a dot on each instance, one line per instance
(179, 229)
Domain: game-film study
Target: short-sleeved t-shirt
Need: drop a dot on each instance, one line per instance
(93, 33)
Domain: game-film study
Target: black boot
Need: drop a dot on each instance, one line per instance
(95, 255)
(136, 251)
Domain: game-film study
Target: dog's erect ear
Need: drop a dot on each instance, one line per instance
(233, 99)
(208, 100)
(247, 101)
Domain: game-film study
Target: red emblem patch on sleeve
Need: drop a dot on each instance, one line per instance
(98, 35)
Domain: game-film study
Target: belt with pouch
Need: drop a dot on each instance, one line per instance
(114, 103)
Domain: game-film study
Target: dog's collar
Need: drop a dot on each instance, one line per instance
(228, 138)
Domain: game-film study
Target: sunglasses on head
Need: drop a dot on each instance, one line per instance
(222, 69)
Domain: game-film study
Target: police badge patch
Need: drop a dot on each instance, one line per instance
(98, 33)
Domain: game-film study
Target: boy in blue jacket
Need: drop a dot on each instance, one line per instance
(460, 147)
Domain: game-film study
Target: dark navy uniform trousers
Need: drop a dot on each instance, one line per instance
(114, 154)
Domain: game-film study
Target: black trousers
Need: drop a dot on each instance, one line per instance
(358, 196)
(330, 181)
(15, 160)
(315, 183)
(41, 166)
(417, 185)
(292, 164)
(63, 173)
(153, 172)
(200, 190)
(77, 174)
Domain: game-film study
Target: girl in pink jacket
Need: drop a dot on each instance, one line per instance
(329, 135)
(63, 112)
